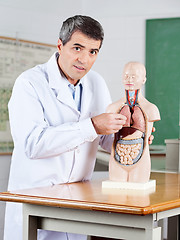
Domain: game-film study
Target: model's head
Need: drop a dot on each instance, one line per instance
(85, 24)
(134, 76)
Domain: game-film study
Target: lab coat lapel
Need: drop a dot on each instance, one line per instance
(65, 96)
(59, 84)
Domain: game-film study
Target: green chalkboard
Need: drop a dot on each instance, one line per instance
(163, 74)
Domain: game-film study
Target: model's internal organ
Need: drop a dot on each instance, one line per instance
(128, 152)
(130, 139)
(135, 117)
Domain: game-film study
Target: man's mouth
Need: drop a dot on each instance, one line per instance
(79, 68)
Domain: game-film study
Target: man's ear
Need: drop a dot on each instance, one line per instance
(144, 80)
(59, 45)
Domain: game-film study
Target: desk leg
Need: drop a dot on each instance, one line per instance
(153, 234)
(157, 233)
(161, 224)
(29, 225)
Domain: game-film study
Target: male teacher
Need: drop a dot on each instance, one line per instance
(57, 117)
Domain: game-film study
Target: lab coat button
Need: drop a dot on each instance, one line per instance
(78, 150)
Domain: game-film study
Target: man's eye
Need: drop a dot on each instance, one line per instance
(77, 49)
(93, 52)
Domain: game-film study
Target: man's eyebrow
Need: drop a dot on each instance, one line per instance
(95, 49)
(79, 45)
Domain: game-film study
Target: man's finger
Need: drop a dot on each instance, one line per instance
(120, 116)
(153, 129)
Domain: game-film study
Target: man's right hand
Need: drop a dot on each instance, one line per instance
(108, 123)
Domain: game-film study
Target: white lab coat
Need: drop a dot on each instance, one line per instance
(53, 142)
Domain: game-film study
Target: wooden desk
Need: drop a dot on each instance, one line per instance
(86, 208)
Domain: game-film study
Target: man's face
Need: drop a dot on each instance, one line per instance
(134, 76)
(77, 56)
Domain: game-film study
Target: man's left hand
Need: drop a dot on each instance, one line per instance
(150, 140)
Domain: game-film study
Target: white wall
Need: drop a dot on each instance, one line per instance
(123, 22)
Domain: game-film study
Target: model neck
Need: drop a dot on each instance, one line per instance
(132, 97)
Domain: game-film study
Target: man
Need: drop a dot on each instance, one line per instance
(57, 119)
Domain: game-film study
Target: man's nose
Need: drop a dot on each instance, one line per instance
(83, 57)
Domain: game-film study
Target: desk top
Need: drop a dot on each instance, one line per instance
(90, 196)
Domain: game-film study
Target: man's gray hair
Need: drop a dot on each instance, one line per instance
(85, 24)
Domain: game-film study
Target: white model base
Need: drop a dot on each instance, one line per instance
(129, 185)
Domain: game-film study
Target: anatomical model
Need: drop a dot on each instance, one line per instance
(130, 157)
